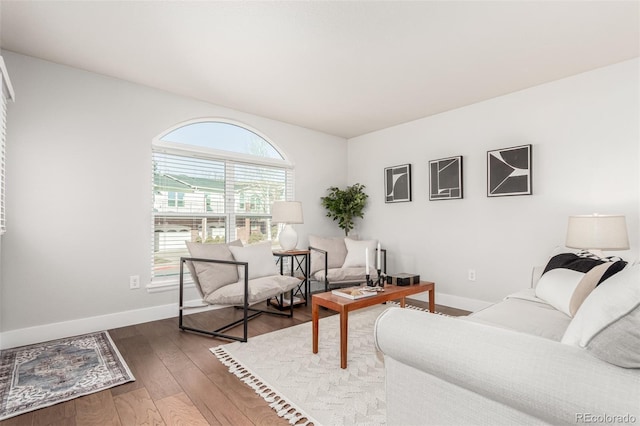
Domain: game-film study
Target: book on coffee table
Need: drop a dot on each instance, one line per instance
(353, 293)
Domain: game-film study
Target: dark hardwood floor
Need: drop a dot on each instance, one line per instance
(178, 380)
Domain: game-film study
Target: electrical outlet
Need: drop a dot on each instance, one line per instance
(134, 282)
(471, 275)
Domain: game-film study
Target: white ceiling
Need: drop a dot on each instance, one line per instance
(343, 68)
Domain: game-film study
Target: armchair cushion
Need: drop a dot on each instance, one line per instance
(355, 253)
(335, 248)
(341, 274)
(260, 289)
(208, 277)
(258, 256)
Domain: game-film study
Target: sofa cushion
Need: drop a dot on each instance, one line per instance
(335, 248)
(568, 279)
(608, 322)
(259, 257)
(356, 253)
(524, 312)
(208, 277)
(260, 289)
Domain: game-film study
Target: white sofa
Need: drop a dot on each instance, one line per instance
(519, 362)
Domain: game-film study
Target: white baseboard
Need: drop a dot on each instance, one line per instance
(454, 301)
(46, 332)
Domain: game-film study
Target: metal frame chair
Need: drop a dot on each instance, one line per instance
(245, 306)
(346, 283)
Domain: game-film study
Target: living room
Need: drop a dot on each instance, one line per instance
(71, 245)
(76, 128)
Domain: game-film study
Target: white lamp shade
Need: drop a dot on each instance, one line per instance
(601, 232)
(287, 212)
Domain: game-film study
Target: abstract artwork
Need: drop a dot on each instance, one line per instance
(509, 171)
(397, 184)
(445, 179)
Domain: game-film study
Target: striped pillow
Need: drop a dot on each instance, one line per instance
(568, 279)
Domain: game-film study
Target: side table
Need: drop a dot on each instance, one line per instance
(298, 266)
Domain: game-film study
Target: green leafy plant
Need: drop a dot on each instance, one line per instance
(345, 205)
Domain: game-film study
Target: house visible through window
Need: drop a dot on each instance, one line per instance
(213, 182)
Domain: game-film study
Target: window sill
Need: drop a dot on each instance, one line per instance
(161, 285)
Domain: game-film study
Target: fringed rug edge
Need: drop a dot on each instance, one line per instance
(284, 408)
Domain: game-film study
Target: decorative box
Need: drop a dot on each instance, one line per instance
(403, 279)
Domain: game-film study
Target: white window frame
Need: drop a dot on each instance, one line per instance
(160, 284)
(6, 89)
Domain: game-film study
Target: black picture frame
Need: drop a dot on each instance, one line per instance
(445, 179)
(510, 171)
(397, 184)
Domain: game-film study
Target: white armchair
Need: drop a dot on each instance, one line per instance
(233, 275)
(340, 262)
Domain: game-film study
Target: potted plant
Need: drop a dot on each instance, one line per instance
(345, 205)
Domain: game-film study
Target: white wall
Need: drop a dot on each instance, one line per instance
(585, 136)
(79, 195)
(78, 184)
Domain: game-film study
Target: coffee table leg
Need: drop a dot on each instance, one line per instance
(402, 302)
(314, 320)
(432, 301)
(344, 327)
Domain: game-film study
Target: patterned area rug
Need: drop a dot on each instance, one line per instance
(307, 388)
(44, 374)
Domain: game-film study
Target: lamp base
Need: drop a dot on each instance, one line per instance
(593, 253)
(288, 238)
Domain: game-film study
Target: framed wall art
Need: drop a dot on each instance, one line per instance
(397, 184)
(445, 179)
(509, 171)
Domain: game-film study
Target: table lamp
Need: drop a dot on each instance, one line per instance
(287, 212)
(595, 233)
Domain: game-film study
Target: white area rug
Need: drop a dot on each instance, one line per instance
(310, 388)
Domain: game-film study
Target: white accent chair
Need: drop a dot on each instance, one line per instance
(340, 261)
(234, 275)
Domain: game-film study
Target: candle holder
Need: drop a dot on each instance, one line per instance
(379, 282)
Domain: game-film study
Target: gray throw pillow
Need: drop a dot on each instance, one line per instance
(619, 343)
(335, 248)
(209, 277)
(608, 322)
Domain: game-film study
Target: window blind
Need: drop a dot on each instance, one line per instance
(212, 200)
(6, 92)
(3, 134)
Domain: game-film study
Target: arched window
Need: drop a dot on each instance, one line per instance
(213, 181)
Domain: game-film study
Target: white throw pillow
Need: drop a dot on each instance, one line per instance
(355, 253)
(607, 304)
(569, 279)
(259, 257)
(557, 286)
(608, 323)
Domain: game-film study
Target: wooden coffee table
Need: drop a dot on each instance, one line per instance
(345, 305)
